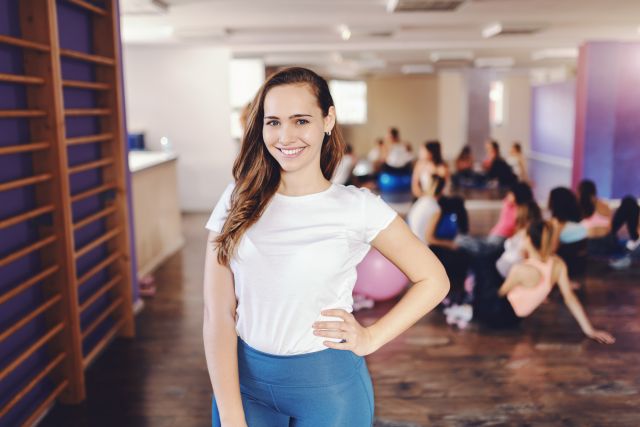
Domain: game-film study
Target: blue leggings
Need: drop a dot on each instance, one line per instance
(327, 388)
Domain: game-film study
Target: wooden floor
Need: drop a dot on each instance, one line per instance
(543, 374)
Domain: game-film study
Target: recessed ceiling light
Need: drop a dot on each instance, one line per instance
(417, 69)
(345, 32)
(497, 62)
(491, 30)
(451, 55)
(563, 53)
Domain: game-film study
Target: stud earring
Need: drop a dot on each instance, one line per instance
(328, 133)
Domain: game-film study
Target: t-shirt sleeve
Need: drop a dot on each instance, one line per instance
(219, 214)
(377, 215)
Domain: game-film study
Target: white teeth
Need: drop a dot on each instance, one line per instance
(291, 152)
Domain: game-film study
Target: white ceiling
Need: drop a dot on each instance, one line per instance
(307, 32)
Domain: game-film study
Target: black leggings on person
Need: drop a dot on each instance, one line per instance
(456, 263)
(628, 213)
(488, 307)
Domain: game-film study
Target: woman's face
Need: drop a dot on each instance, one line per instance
(423, 153)
(294, 126)
(488, 148)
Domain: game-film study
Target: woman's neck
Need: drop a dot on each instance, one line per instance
(301, 183)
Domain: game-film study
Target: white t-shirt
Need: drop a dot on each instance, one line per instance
(421, 214)
(298, 259)
(398, 155)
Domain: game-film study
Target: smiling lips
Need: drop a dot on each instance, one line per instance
(291, 152)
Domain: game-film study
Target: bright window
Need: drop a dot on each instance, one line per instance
(350, 98)
(496, 103)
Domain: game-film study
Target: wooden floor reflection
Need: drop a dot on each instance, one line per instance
(545, 373)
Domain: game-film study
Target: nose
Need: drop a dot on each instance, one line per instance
(287, 134)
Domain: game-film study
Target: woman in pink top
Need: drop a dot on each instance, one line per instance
(519, 194)
(528, 285)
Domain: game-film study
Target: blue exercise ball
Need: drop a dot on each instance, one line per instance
(394, 183)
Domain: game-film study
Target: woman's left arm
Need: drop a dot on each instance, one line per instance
(430, 286)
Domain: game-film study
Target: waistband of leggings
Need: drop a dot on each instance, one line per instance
(316, 369)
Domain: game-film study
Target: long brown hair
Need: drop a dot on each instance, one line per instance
(257, 173)
(540, 233)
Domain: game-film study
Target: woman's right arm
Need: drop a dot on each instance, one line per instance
(220, 338)
(574, 306)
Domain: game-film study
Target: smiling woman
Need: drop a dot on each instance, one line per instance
(281, 343)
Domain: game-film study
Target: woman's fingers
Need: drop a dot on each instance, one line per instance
(330, 325)
(331, 334)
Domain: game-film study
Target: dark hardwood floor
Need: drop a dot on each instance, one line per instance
(543, 374)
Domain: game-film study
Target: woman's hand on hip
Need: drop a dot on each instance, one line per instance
(356, 337)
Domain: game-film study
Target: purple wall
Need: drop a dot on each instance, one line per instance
(553, 112)
(607, 143)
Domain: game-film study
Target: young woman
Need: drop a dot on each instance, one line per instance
(514, 252)
(281, 344)
(596, 213)
(501, 304)
(430, 162)
(518, 163)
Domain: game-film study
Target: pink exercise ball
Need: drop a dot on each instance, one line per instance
(378, 278)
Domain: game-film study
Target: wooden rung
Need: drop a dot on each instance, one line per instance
(29, 317)
(102, 344)
(91, 218)
(86, 85)
(76, 112)
(90, 7)
(89, 139)
(103, 290)
(21, 148)
(25, 216)
(93, 191)
(15, 41)
(28, 283)
(97, 242)
(27, 388)
(93, 325)
(16, 114)
(98, 267)
(37, 413)
(32, 349)
(25, 251)
(17, 78)
(5, 186)
(91, 165)
(97, 59)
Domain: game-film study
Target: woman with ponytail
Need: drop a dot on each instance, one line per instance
(281, 344)
(504, 304)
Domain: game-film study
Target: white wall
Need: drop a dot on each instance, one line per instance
(452, 112)
(183, 93)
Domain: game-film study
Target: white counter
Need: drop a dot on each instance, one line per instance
(140, 160)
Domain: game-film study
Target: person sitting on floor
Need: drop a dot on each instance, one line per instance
(501, 304)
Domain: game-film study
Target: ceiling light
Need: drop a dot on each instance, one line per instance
(417, 69)
(345, 32)
(453, 55)
(564, 53)
(491, 30)
(138, 33)
(500, 62)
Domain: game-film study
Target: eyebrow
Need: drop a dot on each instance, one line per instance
(291, 117)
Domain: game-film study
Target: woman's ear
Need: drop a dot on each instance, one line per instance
(330, 119)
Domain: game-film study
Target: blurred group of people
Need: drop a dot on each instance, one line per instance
(503, 277)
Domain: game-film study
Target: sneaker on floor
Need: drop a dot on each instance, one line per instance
(620, 263)
(465, 313)
(632, 245)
